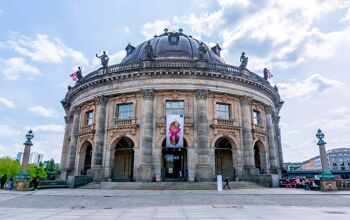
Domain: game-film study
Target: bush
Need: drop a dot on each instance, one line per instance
(36, 171)
(9, 167)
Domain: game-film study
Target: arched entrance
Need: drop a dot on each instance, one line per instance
(174, 161)
(85, 155)
(260, 157)
(123, 160)
(223, 158)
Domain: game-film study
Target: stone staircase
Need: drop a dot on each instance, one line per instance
(168, 185)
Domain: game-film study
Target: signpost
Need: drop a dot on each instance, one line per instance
(219, 182)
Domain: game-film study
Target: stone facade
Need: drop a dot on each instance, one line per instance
(100, 142)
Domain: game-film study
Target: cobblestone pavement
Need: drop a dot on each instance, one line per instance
(230, 204)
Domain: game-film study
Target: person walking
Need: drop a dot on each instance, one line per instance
(226, 183)
(3, 181)
(10, 184)
(36, 182)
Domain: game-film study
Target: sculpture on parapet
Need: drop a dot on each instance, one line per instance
(79, 73)
(244, 61)
(148, 51)
(202, 50)
(104, 59)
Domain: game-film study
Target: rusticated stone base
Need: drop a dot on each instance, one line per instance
(328, 185)
(204, 172)
(250, 172)
(144, 174)
(21, 185)
(96, 172)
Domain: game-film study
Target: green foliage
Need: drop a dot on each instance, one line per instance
(35, 170)
(51, 166)
(9, 167)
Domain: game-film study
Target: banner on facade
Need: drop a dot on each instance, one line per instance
(174, 131)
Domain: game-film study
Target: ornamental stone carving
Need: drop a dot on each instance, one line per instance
(246, 100)
(76, 110)
(148, 94)
(101, 100)
(202, 94)
(268, 110)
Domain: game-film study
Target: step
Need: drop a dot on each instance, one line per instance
(175, 185)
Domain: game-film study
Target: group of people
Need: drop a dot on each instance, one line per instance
(299, 183)
(3, 181)
(9, 181)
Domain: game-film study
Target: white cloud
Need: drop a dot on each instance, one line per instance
(117, 57)
(226, 3)
(11, 68)
(44, 112)
(6, 131)
(126, 30)
(46, 50)
(48, 128)
(151, 28)
(7, 103)
(312, 85)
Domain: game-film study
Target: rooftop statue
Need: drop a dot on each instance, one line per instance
(244, 61)
(148, 51)
(104, 59)
(202, 50)
(79, 73)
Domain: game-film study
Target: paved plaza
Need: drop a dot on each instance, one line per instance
(230, 204)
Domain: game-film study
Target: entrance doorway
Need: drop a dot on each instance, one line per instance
(260, 157)
(88, 154)
(84, 161)
(174, 163)
(223, 159)
(123, 168)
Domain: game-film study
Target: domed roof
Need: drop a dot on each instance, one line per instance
(173, 45)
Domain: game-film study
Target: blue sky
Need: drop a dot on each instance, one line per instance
(306, 45)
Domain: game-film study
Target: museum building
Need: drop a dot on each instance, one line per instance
(225, 117)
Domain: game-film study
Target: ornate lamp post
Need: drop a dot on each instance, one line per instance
(326, 173)
(22, 180)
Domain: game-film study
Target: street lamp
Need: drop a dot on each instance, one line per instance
(326, 173)
(23, 176)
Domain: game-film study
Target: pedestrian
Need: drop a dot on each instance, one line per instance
(180, 175)
(10, 184)
(36, 182)
(287, 183)
(226, 183)
(3, 181)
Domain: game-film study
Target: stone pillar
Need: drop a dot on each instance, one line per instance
(73, 140)
(271, 140)
(204, 170)
(248, 148)
(26, 155)
(279, 153)
(100, 128)
(65, 149)
(144, 172)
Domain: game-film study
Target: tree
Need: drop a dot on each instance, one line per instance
(9, 167)
(36, 171)
(51, 166)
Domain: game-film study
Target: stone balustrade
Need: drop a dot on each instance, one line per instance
(121, 122)
(87, 128)
(343, 184)
(259, 128)
(227, 122)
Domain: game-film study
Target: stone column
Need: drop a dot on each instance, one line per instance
(65, 149)
(248, 148)
(276, 122)
(204, 170)
(144, 172)
(271, 140)
(26, 155)
(100, 128)
(73, 140)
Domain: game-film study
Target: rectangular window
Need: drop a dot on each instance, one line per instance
(334, 164)
(256, 117)
(125, 111)
(88, 117)
(174, 108)
(223, 111)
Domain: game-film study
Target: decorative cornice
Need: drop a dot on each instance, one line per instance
(66, 105)
(101, 100)
(148, 94)
(202, 94)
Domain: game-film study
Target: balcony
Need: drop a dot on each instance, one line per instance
(259, 129)
(224, 124)
(122, 122)
(87, 129)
